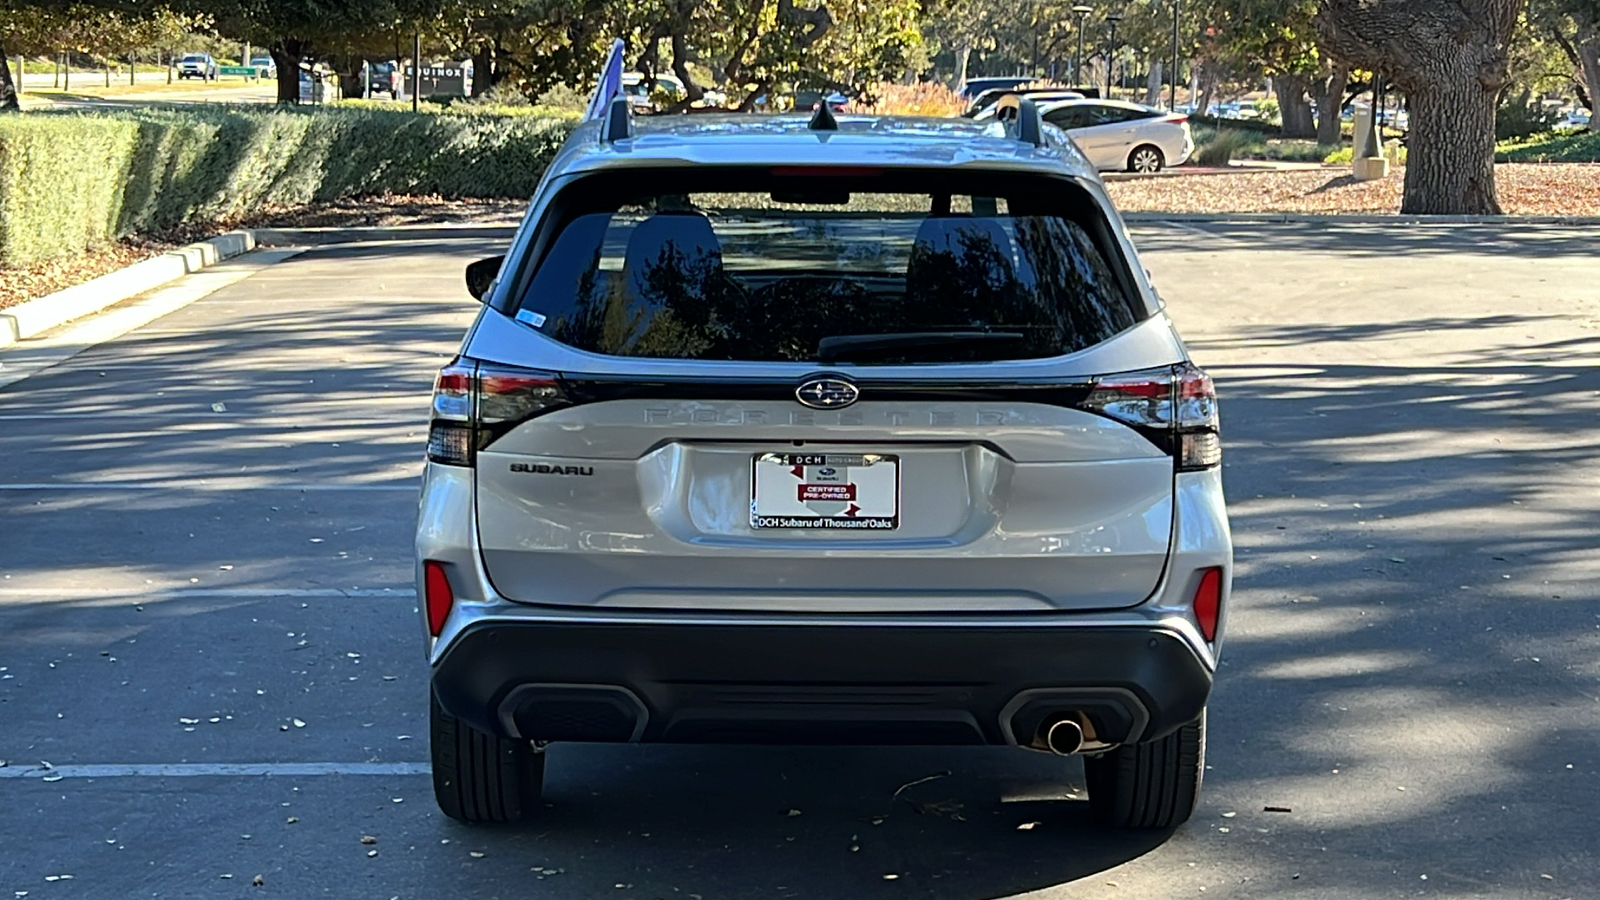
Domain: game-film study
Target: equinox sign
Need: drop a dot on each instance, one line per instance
(827, 393)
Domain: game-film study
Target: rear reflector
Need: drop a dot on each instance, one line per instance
(437, 596)
(1208, 602)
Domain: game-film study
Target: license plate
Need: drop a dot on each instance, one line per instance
(825, 490)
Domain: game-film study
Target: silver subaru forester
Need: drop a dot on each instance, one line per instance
(822, 430)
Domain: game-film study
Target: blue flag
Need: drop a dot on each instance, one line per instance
(610, 83)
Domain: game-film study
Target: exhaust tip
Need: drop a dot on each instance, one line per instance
(1062, 736)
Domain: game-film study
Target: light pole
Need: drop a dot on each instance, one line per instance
(1112, 19)
(1033, 61)
(1172, 101)
(1077, 64)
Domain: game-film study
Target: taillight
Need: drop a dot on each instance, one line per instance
(1175, 406)
(437, 597)
(1208, 602)
(474, 403)
(1177, 119)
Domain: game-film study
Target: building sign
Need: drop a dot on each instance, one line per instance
(449, 80)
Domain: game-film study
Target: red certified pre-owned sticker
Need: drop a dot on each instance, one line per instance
(844, 492)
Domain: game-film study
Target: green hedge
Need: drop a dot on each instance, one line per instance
(1582, 147)
(1255, 126)
(69, 181)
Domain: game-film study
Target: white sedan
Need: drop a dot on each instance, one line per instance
(1118, 136)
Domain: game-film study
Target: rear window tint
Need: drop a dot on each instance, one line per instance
(781, 274)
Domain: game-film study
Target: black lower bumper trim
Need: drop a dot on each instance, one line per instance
(831, 684)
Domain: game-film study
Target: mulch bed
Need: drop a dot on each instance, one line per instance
(1525, 189)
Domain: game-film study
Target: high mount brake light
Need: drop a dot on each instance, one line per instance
(1176, 406)
(474, 403)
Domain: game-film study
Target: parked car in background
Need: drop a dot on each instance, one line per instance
(1117, 136)
(385, 77)
(264, 66)
(972, 87)
(805, 100)
(198, 65)
(983, 105)
(1574, 120)
(643, 97)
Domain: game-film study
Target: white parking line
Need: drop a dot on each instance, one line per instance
(214, 770)
(200, 486)
(157, 593)
(1193, 228)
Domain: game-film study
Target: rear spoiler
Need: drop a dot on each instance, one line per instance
(608, 106)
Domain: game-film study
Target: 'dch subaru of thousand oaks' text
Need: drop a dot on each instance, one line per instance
(822, 430)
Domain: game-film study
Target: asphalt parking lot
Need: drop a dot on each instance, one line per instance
(207, 628)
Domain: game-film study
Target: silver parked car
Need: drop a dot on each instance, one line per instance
(1118, 136)
(198, 65)
(857, 430)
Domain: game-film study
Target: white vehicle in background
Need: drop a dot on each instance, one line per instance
(198, 65)
(642, 97)
(1120, 136)
(987, 106)
(1574, 120)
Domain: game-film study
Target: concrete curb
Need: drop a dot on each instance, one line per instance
(1340, 219)
(355, 234)
(41, 314)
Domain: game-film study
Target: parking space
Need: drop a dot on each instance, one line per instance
(209, 631)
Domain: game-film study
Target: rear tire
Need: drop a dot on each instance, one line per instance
(480, 777)
(1151, 785)
(1146, 158)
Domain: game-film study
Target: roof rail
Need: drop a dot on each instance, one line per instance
(1029, 127)
(823, 119)
(618, 123)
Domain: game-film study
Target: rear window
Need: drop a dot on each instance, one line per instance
(831, 270)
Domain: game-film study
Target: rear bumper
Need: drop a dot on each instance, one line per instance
(687, 681)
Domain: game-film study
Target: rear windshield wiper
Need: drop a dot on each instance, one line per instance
(856, 346)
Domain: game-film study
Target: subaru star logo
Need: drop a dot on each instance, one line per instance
(827, 393)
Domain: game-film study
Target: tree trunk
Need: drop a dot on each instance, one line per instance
(1589, 64)
(1152, 85)
(1450, 152)
(1331, 105)
(1450, 58)
(963, 54)
(286, 55)
(8, 89)
(1294, 106)
(680, 68)
(482, 70)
